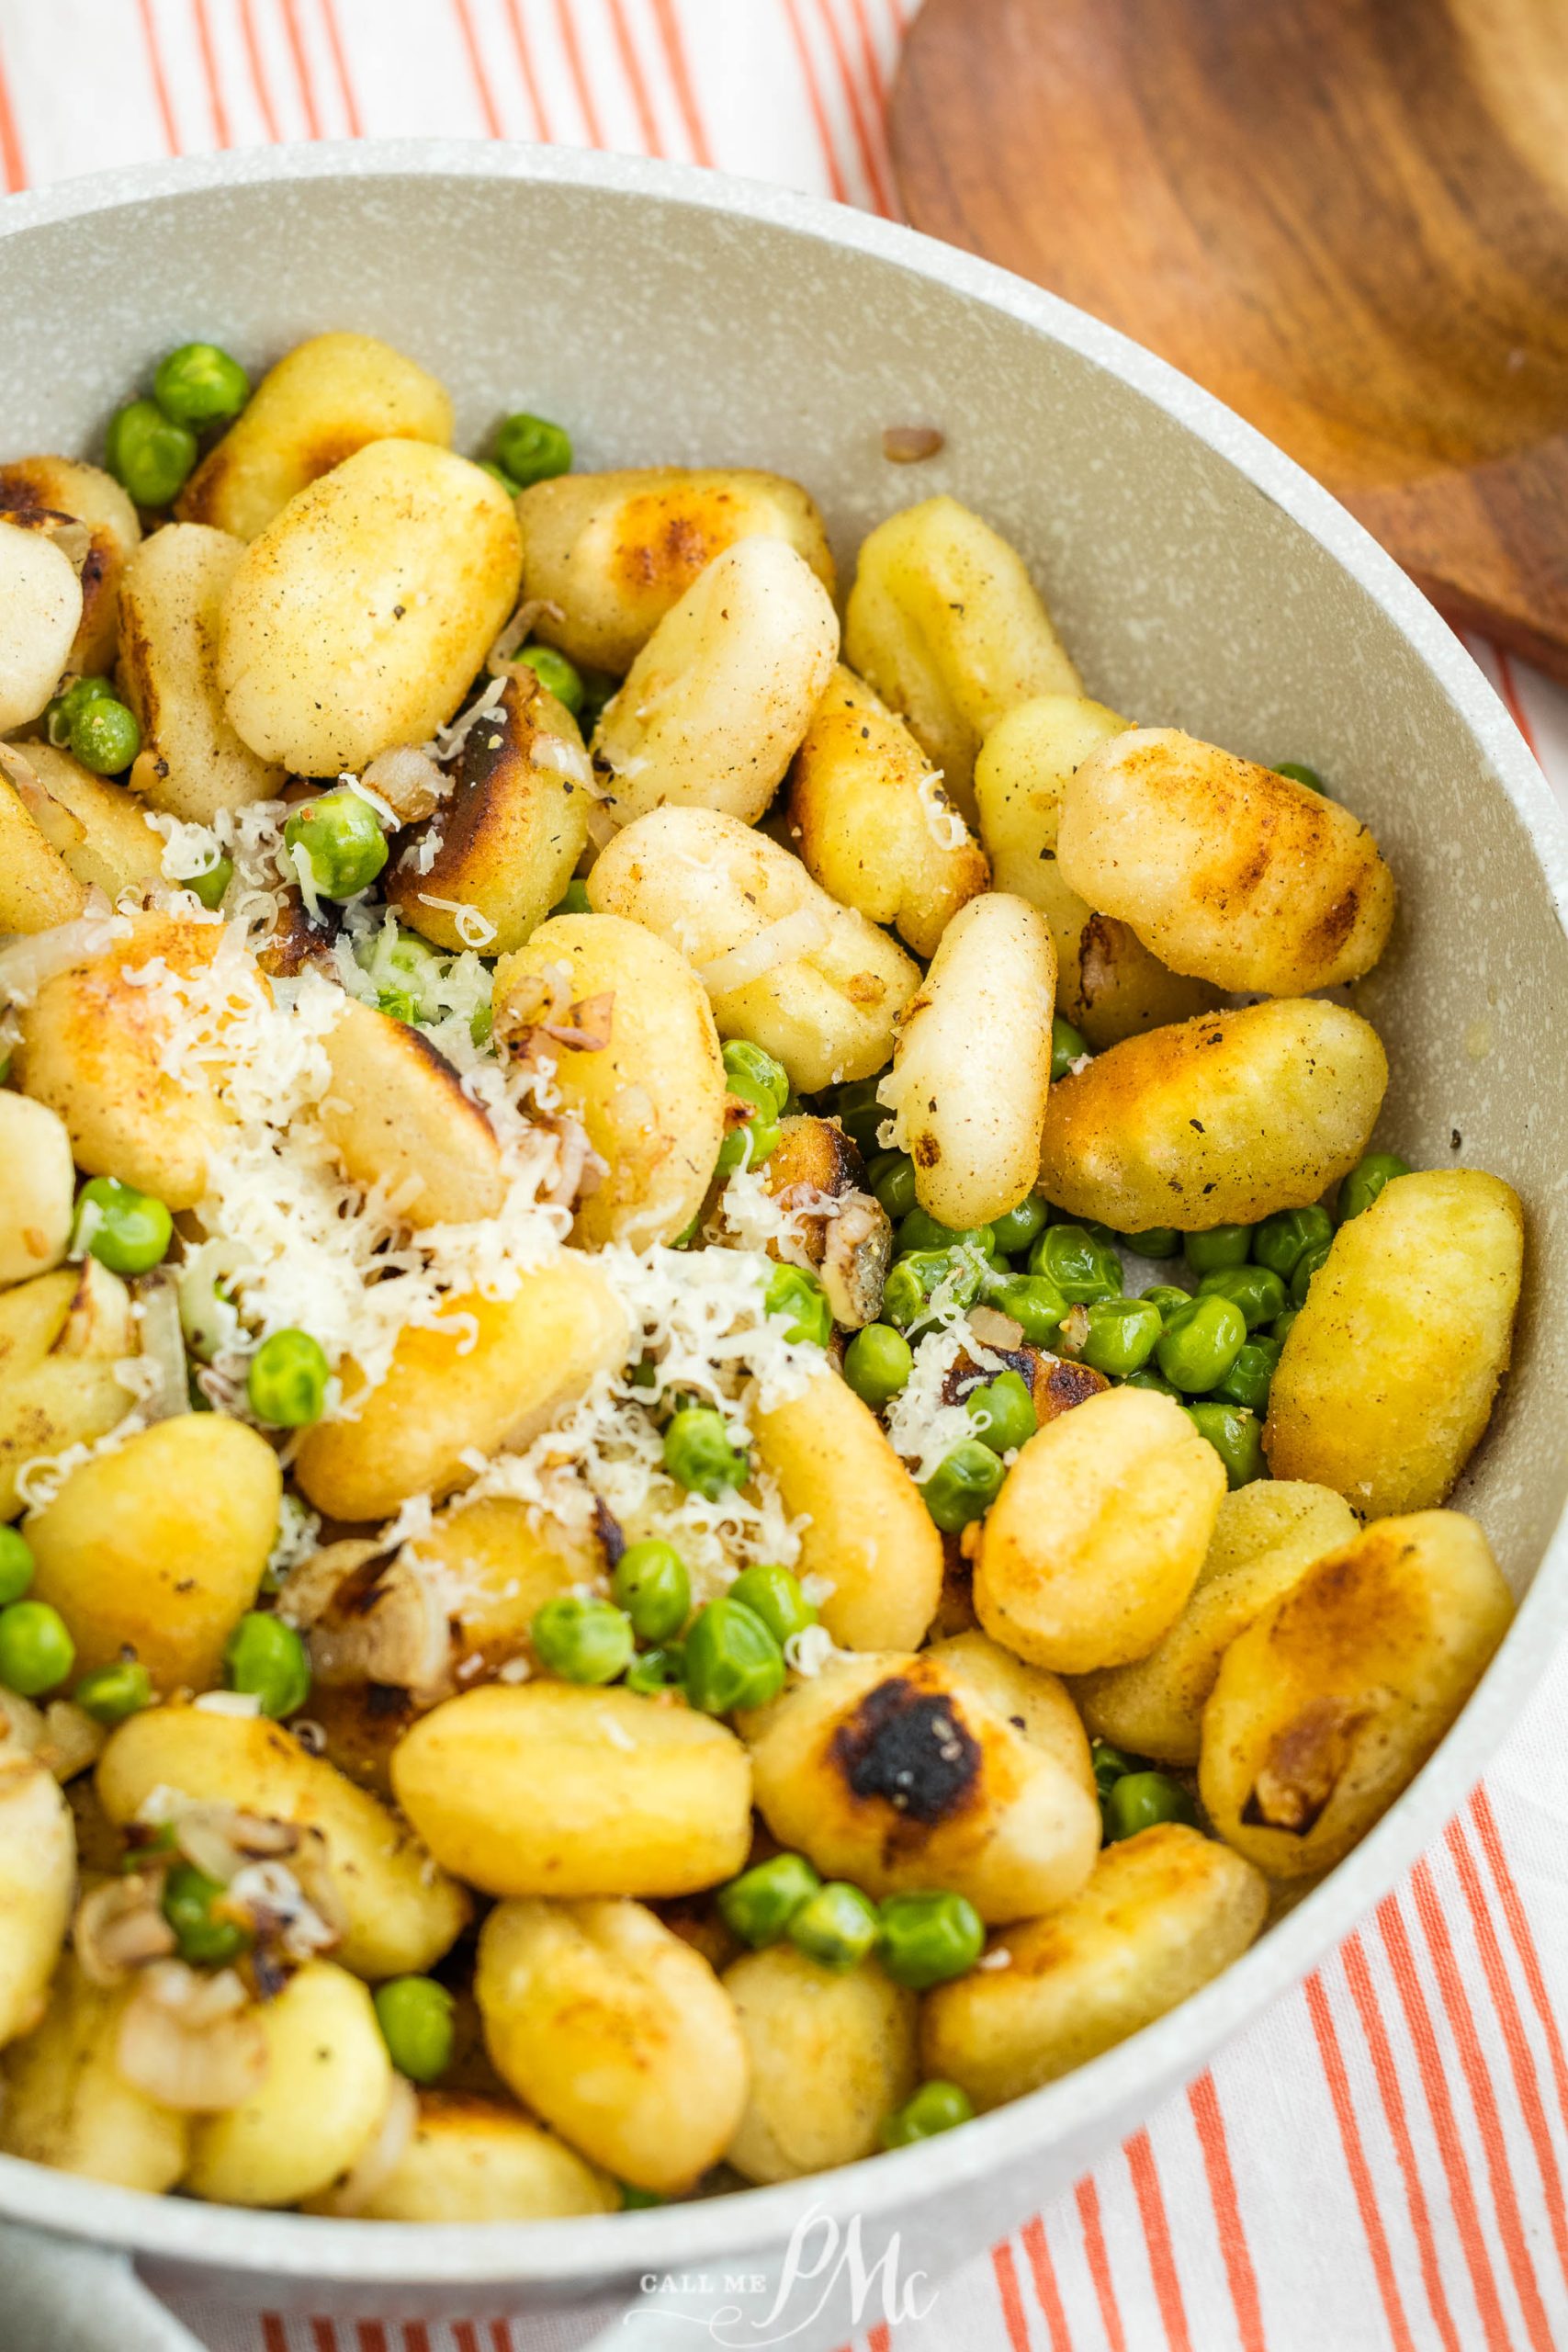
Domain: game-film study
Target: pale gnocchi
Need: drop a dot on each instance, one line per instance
(586, 1161)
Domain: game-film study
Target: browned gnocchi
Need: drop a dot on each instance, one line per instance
(1222, 1120)
(1333, 1699)
(610, 554)
(1389, 1373)
(1227, 871)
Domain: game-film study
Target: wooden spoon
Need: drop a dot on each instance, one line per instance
(1347, 217)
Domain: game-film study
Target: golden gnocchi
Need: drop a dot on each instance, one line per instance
(715, 704)
(891, 1771)
(1390, 1371)
(616, 2033)
(1095, 1543)
(1163, 1913)
(1219, 1121)
(874, 827)
(327, 398)
(1333, 1699)
(971, 1063)
(1227, 871)
(945, 624)
(785, 966)
(355, 620)
(612, 552)
(642, 1073)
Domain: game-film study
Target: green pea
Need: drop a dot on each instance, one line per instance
(663, 1668)
(110, 1693)
(1003, 1412)
(732, 1659)
(1221, 1245)
(755, 1138)
(1140, 1800)
(35, 1651)
(149, 453)
(743, 1059)
(211, 884)
(1012, 1234)
(698, 1455)
(835, 1927)
(1200, 1343)
(531, 450)
(339, 839)
(1067, 1045)
(1280, 1327)
(1307, 1264)
(63, 712)
(861, 1115)
(1236, 1437)
(200, 384)
(1151, 1379)
(1081, 1265)
(556, 674)
(776, 1598)
(908, 1293)
(651, 1585)
(930, 1938)
(1123, 1335)
(793, 1292)
(287, 1384)
(500, 474)
(1110, 1764)
(416, 2016)
(1155, 1241)
(1247, 1381)
(573, 900)
(1033, 1302)
(17, 1565)
(598, 690)
(964, 1486)
(878, 1363)
(1256, 1290)
(268, 1658)
(581, 1639)
(192, 1905)
(892, 1175)
(1366, 1181)
(935, 2107)
(105, 736)
(919, 1231)
(1299, 772)
(1169, 1298)
(128, 1231)
(758, 1905)
(1279, 1240)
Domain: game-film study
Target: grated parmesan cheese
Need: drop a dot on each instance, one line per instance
(705, 1334)
(920, 1427)
(474, 929)
(311, 1250)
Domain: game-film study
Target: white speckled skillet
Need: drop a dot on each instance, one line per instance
(1200, 579)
